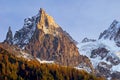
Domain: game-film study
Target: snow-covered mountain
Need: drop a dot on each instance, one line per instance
(112, 33)
(104, 53)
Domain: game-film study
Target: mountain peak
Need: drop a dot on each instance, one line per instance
(115, 24)
(42, 21)
(87, 40)
(115, 21)
(9, 29)
(44, 39)
(9, 36)
(112, 33)
(46, 23)
(42, 11)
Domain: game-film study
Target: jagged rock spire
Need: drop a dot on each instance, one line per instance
(9, 36)
(46, 23)
(112, 32)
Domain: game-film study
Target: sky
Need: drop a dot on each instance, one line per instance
(80, 18)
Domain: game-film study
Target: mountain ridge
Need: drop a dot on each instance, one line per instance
(104, 53)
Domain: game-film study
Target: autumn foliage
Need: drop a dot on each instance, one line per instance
(14, 68)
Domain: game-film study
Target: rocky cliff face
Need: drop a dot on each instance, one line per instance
(44, 39)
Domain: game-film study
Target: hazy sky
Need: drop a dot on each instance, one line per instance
(80, 18)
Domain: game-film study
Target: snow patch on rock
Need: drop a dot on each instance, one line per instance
(44, 61)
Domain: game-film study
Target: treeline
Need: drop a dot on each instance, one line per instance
(14, 68)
